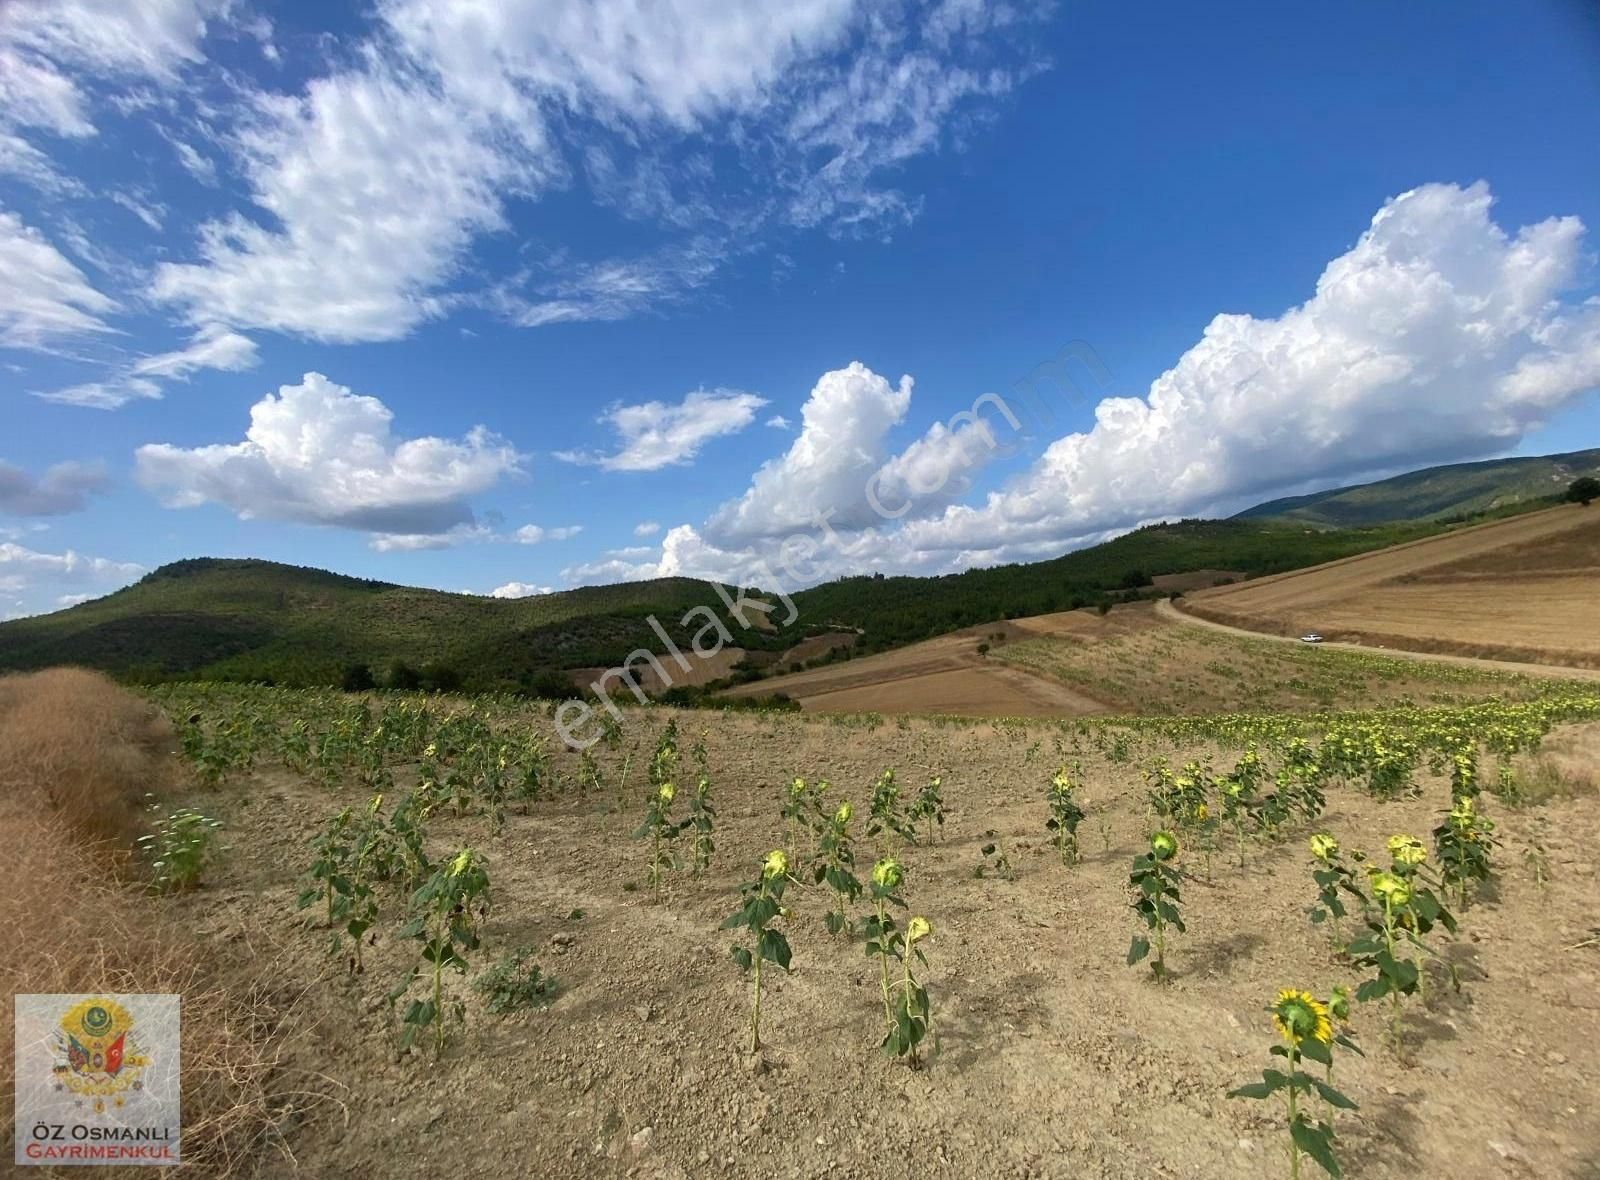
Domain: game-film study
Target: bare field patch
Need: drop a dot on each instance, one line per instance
(944, 675)
(1177, 669)
(1519, 590)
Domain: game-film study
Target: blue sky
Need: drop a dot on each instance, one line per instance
(390, 290)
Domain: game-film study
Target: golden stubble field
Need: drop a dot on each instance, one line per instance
(1521, 589)
(1055, 1058)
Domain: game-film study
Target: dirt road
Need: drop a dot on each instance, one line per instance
(1168, 611)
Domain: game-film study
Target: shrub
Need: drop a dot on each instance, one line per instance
(1584, 490)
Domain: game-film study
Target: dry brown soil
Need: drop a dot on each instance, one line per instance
(1055, 1058)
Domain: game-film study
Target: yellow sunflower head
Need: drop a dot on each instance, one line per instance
(667, 792)
(887, 873)
(916, 930)
(1391, 889)
(797, 788)
(842, 816)
(1300, 1016)
(776, 864)
(1164, 845)
(1407, 850)
(1201, 812)
(1324, 847)
(1061, 782)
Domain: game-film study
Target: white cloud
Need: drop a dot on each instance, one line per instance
(375, 179)
(63, 488)
(111, 394)
(461, 534)
(612, 290)
(532, 534)
(21, 159)
(779, 422)
(38, 581)
(44, 299)
(378, 184)
(1438, 336)
(212, 347)
(520, 590)
(656, 434)
(842, 441)
(646, 528)
(48, 48)
(319, 454)
(203, 168)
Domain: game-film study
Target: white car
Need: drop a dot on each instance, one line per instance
(1310, 637)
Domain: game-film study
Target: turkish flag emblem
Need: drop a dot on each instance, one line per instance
(114, 1055)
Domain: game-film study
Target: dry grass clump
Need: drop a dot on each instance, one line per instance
(77, 755)
(80, 748)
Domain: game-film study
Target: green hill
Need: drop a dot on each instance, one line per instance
(259, 620)
(1455, 491)
(893, 610)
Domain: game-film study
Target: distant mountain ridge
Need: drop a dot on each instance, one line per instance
(1434, 493)
(247, 619)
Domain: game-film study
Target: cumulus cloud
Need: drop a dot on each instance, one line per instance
(44, 298)
(1438, 336)
(658, 434)
(520, 590)
(33, 581)
(844, 428)
(317, 453)
(63, 488)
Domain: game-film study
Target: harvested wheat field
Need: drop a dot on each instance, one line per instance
(1521, 589)
(950, 675)
(1048, 1054)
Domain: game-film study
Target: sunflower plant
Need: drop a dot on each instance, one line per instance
(1336, 881)
(889, 822)
(703, 819)
(445, 926)
(928, 807)
(1065, 815)
(1464, 842)
(882, 931)
(911, 1018)
(762, 906)
(1401, 911)
(661, 830)
(835, 867)
(1155, 878)
(1305, 1034)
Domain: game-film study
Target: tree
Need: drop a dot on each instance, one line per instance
(356, 678)
(402, 677)
(1584, 489)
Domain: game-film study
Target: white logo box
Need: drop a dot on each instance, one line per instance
(97, 1079)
